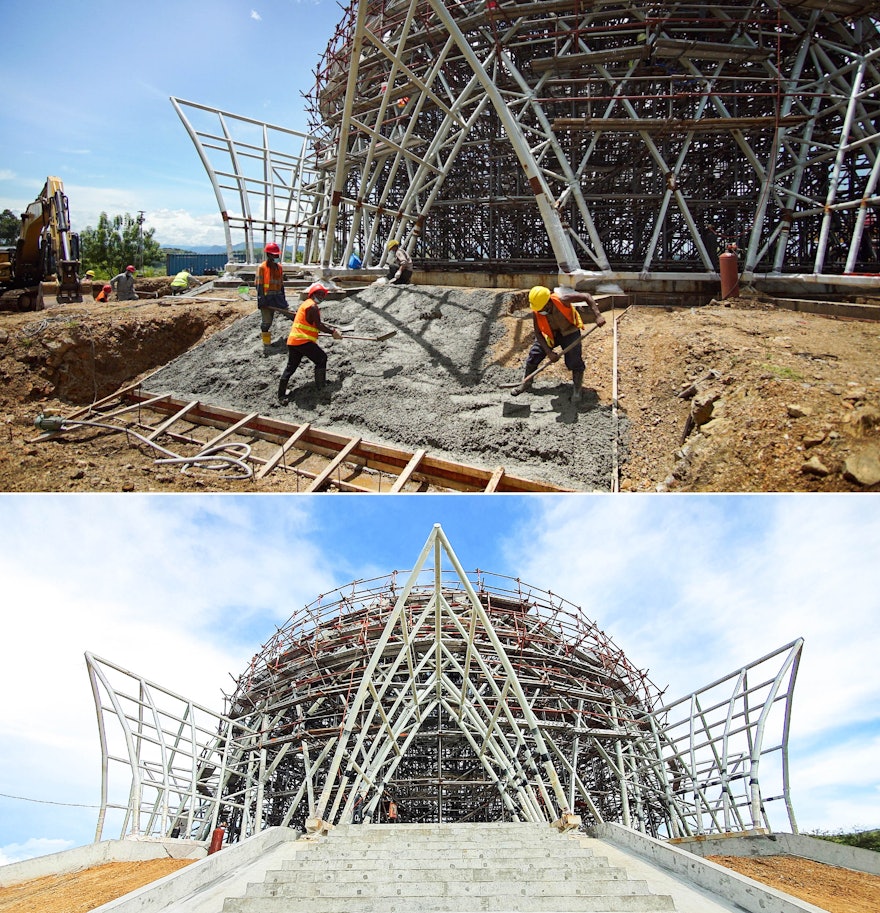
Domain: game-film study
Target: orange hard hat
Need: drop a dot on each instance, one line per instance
(317, 287)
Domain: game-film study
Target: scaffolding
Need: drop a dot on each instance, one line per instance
(460, 697)
(587, 138)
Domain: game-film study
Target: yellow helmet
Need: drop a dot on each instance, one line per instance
(538, 297)
(392, 244)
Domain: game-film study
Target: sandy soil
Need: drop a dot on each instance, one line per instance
(744, 397)
(834, 889)
(85, 890)
(829, 887)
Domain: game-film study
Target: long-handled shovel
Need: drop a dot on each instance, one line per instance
(547, 363)
(381, 338)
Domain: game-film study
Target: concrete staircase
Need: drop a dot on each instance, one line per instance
(456, 868)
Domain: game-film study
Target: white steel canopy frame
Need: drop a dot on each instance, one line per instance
(459, 697)
(599, 137)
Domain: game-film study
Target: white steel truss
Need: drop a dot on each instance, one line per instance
(461, 697)
(593, 137)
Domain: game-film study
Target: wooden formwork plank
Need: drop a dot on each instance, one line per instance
(321, 479)
(232, 429)
(411, 467)
(495, 481)
(378, 457)
(274, 460)
(170, 421)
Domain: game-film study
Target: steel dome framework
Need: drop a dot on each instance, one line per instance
(461, 697)
(584, 136)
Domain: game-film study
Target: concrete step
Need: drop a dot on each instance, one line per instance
(312, 868)
(450, 868)
(656, 903)
(376, 887)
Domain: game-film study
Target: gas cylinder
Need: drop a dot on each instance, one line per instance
(216, 840)
(729, 268)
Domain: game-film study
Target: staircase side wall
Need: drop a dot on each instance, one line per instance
(748, 894)
(827, 851)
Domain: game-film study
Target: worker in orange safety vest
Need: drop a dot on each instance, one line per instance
(269, 281)
(303, 340)
(557, 323)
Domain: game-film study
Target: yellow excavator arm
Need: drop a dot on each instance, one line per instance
(46, 248)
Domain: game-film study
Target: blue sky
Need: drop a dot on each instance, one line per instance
(87, 88)
(184, 590)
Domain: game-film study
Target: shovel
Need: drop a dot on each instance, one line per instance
(381, 338)
(547, 364)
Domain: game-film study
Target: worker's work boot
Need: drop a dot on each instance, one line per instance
(266, 336)
(577, 379)
(525, 385)
(321, 377)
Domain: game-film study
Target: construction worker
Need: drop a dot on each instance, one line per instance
(87, 283)
(557, 323)
(400, 271)
(303, 340)
(104, 294)
(124, 285)
(270, 289)
(181, 282)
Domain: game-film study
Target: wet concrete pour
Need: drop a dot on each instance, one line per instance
(434, 385)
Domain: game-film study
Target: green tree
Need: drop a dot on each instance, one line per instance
(10, 225)
(116, 243)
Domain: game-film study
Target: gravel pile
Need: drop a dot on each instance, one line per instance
(435, 384)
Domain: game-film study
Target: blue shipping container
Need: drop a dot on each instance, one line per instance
(197, 264)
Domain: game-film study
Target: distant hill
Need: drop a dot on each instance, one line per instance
(206, 249)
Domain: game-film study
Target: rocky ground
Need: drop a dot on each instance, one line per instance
(828, 887)
(743, 397)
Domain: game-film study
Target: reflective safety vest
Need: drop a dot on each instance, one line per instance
(301, 331)
(181, 280)
(568, 311)
(270, 277)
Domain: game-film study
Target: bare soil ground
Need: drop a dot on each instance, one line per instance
(742, 397)
(829, 887)
(834, 889)
(82, 891)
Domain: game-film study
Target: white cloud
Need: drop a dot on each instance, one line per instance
(256, 16)
(36, 846)
(694, 588)
(7, 175)
(181, 591)
(178, 228)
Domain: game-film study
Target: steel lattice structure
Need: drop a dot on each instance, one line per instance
(586, 137)
(462, 697)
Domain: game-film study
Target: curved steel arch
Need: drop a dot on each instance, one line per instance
(462, 697)
(590, 138)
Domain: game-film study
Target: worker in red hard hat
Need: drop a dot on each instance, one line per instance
(270, 289)
(123, 283)
(557, 322)
(104, 294)
(303, 340)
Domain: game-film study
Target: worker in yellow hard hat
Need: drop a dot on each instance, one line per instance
(87, 283)
(400, 269)
(557, 322)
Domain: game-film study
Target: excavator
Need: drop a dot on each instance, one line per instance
(46, 249)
